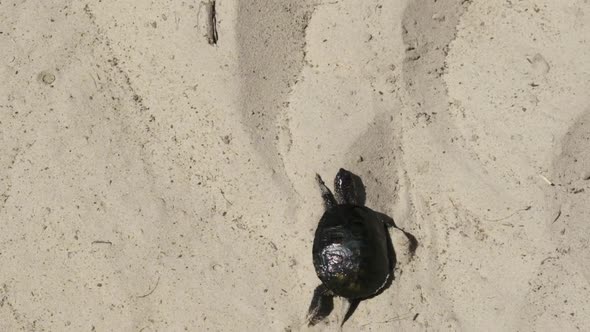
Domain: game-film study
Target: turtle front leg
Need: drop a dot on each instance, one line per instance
(327, 196)
(321, 305)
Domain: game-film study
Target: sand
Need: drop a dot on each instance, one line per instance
(152, 181)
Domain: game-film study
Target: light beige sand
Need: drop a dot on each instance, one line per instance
(152, 182)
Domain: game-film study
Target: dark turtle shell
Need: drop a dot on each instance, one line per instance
(350, 251)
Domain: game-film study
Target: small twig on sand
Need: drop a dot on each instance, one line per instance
(211, 22)
(528, 207)
(102, 242)
(557, 217)
(547, 180)
(223, 195)
(153, 289)
(547, 259)
(395, 319)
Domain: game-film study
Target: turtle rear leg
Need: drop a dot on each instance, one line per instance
(412, 242)
(321, 305)
(329, 200)
(349, 188)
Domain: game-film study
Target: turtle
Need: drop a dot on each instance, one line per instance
(352, 251)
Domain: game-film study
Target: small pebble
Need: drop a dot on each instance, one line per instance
(438, 17)
(540, 65)
(47, 77)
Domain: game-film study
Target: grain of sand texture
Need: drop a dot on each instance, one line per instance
(152, 181)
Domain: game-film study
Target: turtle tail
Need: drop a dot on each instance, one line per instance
(353, 304)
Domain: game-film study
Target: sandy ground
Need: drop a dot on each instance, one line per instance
(150, 181)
